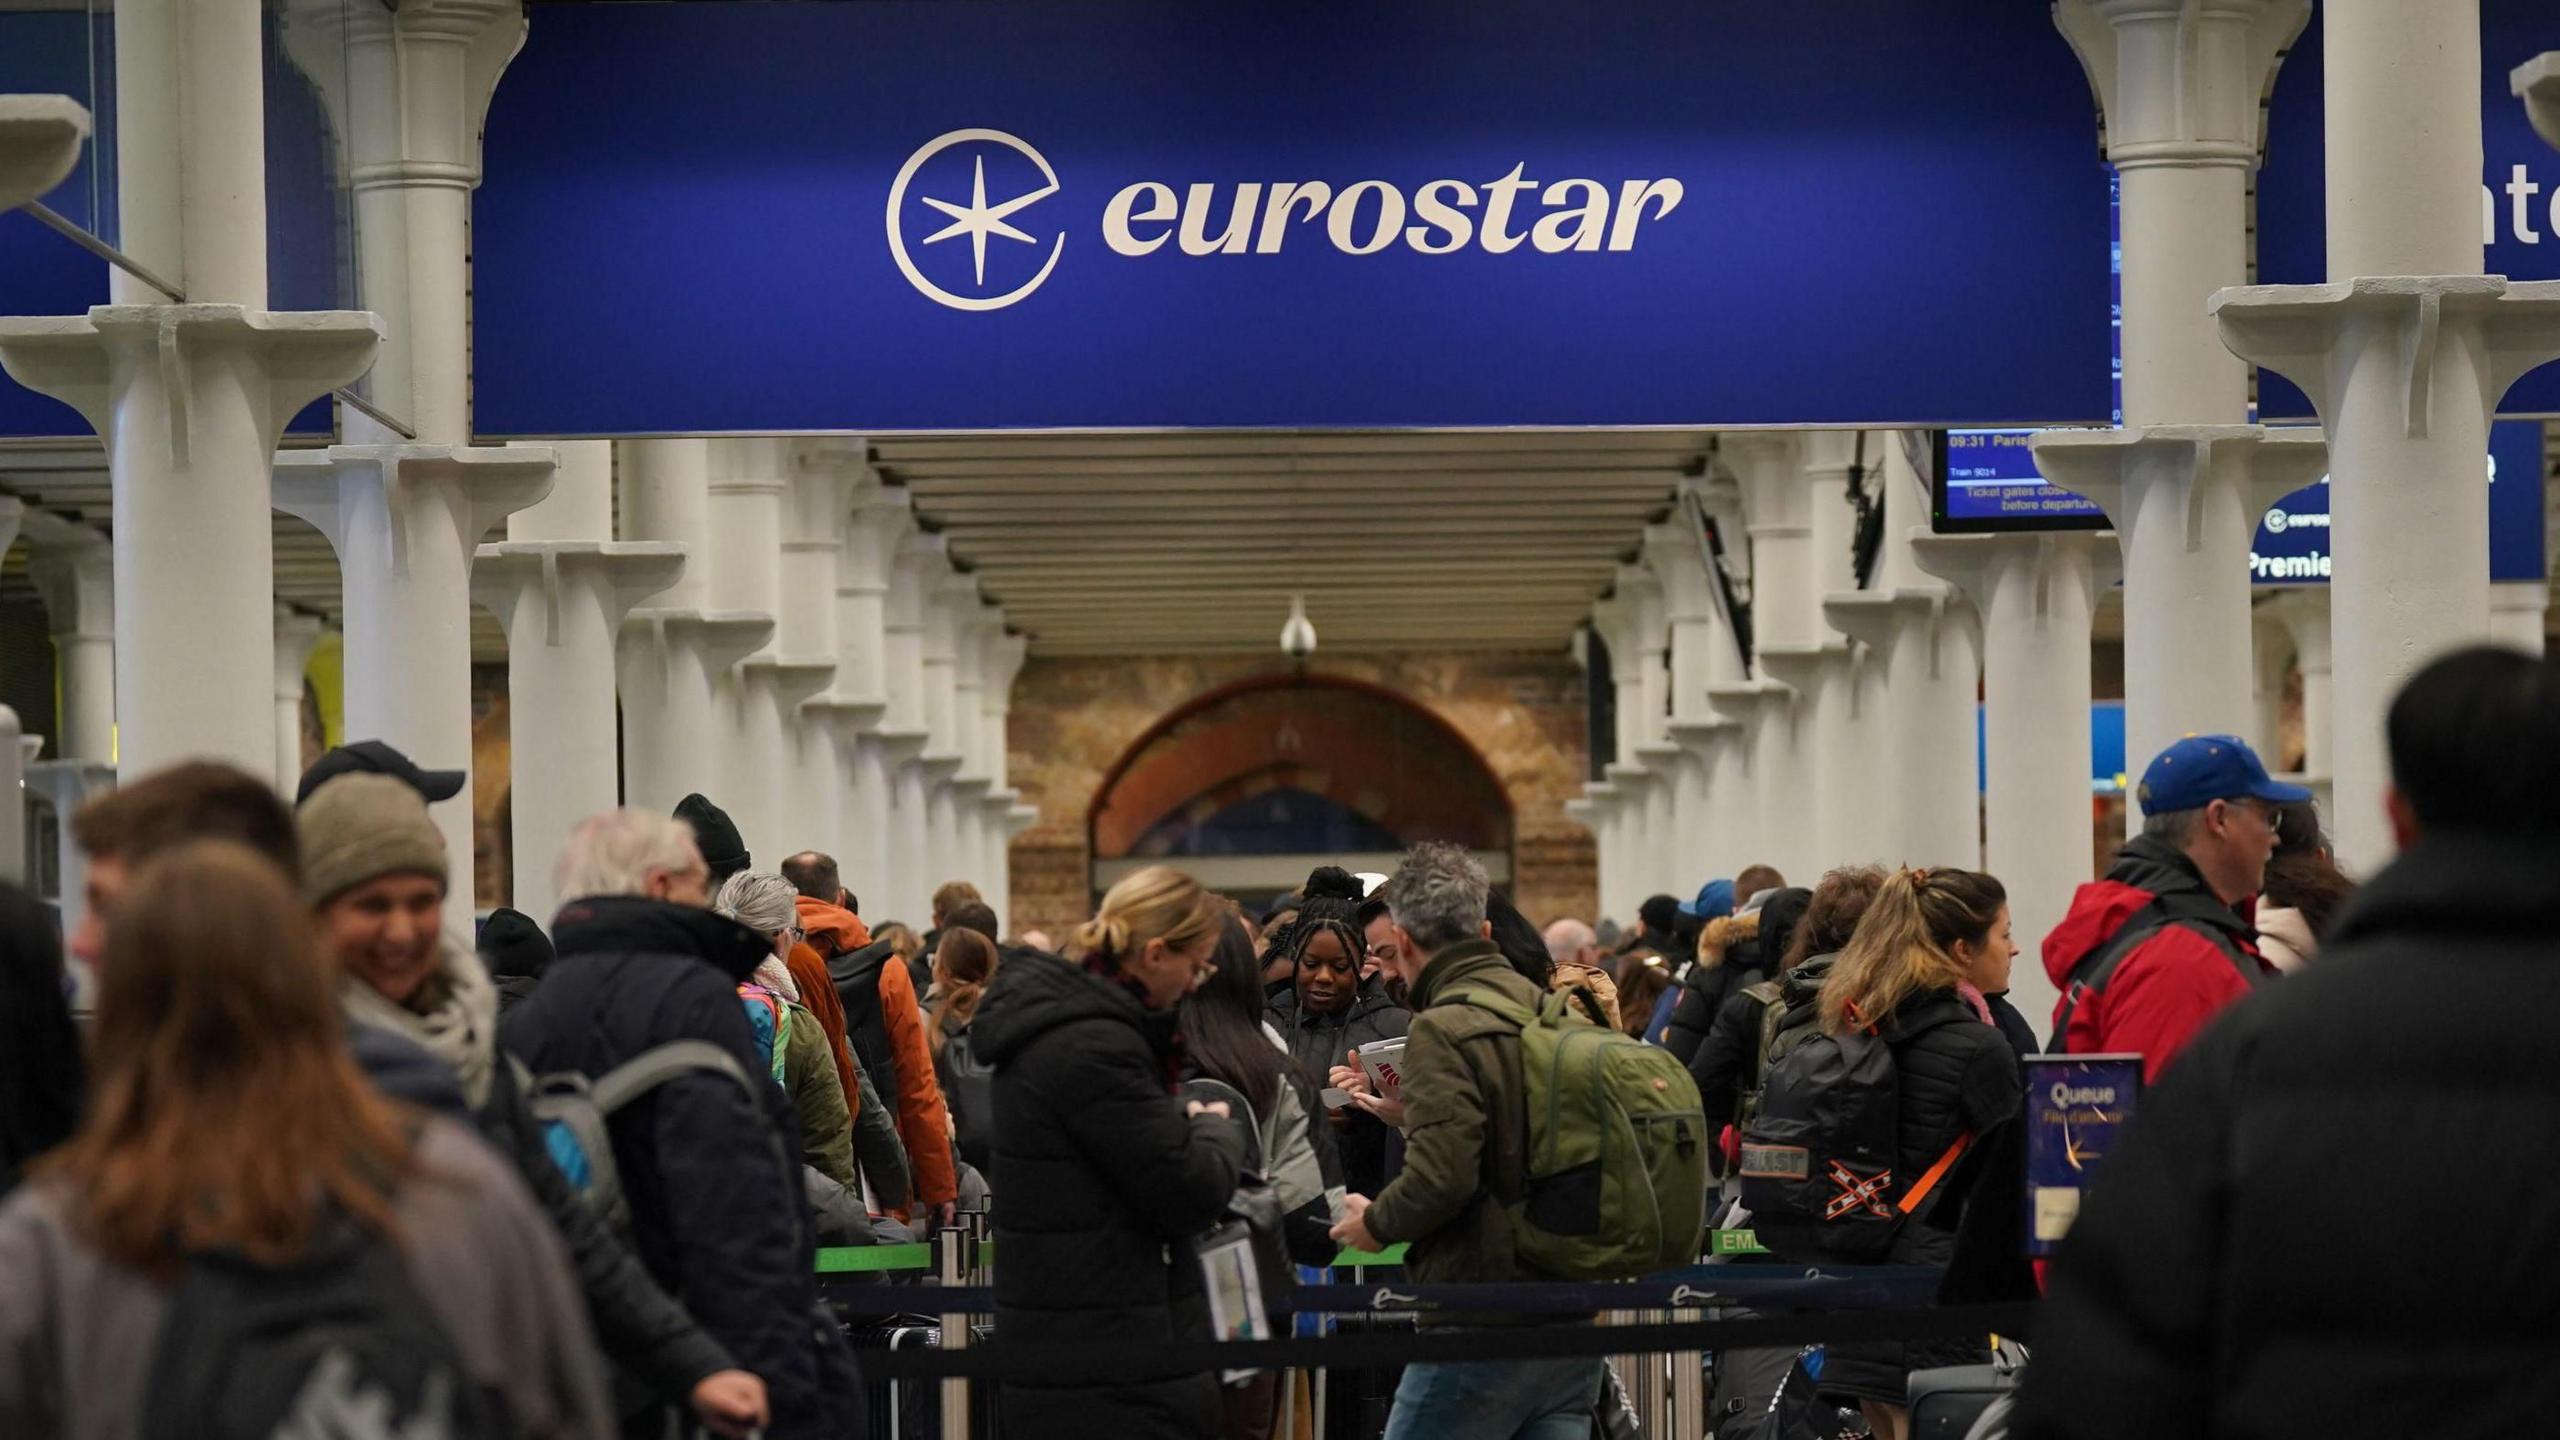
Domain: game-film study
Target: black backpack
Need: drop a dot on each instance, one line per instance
(969, 1090)
(1819, 1159)
(856, 976)
(339, 1344)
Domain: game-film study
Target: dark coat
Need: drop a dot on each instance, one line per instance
(1368, 1148)
(1956, 1078)
(640, 1327)
(2233, 1271)
(713, 1218)
(1103, 1182)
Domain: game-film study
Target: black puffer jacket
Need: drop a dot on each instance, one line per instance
(1748, 959)
(2226, 1277)
(713, 1218)
(1727, 1065)
(1368, 1147)
(1104, 1183)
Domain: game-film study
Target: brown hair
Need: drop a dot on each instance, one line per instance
(1156, 903)
(1905, 945)
(953, 895)
(904, 942)
(962, 965)
(224, 1109)
(1642, 977)
(1755, 879)
(1832, 913)
(194, 800)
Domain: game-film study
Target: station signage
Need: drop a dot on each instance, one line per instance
(904, 214)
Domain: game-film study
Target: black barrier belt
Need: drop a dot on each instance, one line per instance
(1697, 1287)
(1107, 1364)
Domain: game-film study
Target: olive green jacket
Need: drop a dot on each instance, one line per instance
(1466, 1124)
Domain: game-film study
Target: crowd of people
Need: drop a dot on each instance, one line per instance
(317, 1157)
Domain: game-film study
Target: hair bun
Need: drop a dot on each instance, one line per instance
(1332, 882)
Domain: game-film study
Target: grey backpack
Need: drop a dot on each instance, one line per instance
(573, 1110)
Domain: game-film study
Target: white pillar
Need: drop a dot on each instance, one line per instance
(1702, 654)
(73, 569)
(670, 655)
(1807, 656)
(190, 398)
(1007, 816)
(295, 634)
(40, 140)
(972, 785)
(2186, 482)
(904, 737)
(2035, 594)
(2186, 501)
(2272, 652)
(943, 592)
(879, 521)
(405, 521)
(821, 485)
(756, 702)
(66, 785)
(2404, 353)
(1628, 858)
(2519, 613)
(1921, 633)
(13, 798)
(562, 602)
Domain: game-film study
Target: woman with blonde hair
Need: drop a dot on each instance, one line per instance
(232, 1161)
(1911, 976)
(1104, 1175)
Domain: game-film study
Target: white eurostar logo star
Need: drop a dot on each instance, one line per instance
(977, 219)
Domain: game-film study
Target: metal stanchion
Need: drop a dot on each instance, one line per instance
(956, 1252)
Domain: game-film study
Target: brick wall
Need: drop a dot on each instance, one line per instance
(1074, 718)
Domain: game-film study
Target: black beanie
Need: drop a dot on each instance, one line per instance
(511, 944)
(715, 835)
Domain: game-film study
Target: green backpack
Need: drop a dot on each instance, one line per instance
(1617, 1147)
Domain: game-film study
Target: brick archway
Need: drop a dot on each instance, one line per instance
(1359, 745)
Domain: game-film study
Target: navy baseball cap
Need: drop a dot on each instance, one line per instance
(2201, 769)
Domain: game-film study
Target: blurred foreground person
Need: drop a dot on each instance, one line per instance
(40, 1066)
(2222, 1278)
(245, 1240)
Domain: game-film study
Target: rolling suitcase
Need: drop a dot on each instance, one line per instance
(1948, 1404)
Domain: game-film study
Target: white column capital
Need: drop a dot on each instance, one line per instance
(621, 573)
(2180, 80)
(73, 569)
(2314, 335)
(474, 486)
(411, 85)
(2110, 467)
(13, 513)
(1005, 653)
(2537, 83)
(286, 359)
(881, 520)
(2303, 610)
(1766, 471)
(1877, 619)
(40, 139)
(1671, 553)
(1976, 564)
(1640, 591)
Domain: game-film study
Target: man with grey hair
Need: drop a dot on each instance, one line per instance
(2150, 953)
(1466, 1131)
(1570, 942)
(715, 1204)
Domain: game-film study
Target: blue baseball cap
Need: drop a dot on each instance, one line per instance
(1715, 900)
(2201, 769)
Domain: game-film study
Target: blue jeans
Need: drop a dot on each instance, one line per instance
(1526, 1400)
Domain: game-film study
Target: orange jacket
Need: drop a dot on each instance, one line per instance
(923, 1122)
(818, 994)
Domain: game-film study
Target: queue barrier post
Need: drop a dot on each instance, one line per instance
(956, 1253)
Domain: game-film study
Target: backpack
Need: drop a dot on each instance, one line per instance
(573, 1110)
(338, 1344)
(1818, 1160)
(969, 1088)
(1255, 1205)
(1779, 1028)
(1616, 1169)
(2091, 972)
(856, 977)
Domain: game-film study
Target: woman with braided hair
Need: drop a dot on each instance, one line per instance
(1330, 1011)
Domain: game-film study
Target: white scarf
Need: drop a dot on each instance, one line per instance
(462, 1030)
(775, 976)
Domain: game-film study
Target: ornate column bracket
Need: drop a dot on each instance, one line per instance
(40, 140)
(2537, 83)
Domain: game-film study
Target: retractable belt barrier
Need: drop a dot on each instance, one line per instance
(1107, 1363)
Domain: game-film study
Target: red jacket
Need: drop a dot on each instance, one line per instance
(2167, 987)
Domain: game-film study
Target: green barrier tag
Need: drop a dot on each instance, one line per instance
(873, 1259)
(1737, 1242)
(1392, 1255)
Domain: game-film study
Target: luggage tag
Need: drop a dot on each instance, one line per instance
(1234, 1283)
